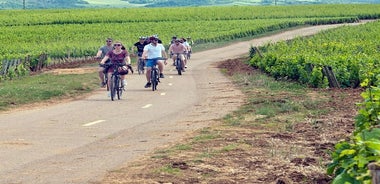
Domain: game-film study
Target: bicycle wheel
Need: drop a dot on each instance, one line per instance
(119, 89)
(153, 80)
(179, 66)
(106, 81)
(113, 87)
(141, 66)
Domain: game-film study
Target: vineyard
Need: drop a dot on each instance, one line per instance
(72, 33)
(34, 39)
(352, 53)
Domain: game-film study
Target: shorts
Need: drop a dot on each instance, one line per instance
(151, 62)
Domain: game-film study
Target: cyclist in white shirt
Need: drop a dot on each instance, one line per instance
(152, 52)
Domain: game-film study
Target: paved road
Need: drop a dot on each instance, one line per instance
(77, 142)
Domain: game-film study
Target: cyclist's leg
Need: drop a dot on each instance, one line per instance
(123, 81)
(149, 64)
(173, 56)
(183, 61)
(161, 68)
(101, 76)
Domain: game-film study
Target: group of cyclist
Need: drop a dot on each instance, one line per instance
(150, 49)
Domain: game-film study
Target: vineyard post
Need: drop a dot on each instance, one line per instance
(375, 172)
(333, 82)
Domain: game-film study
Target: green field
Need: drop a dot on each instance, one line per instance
(63, 33)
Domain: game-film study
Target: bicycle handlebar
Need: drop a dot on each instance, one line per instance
(159, 58)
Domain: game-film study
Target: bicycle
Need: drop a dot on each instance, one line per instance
(178, 64)
(140, 65)
(155, 75)
(116, 86)
(188, 55)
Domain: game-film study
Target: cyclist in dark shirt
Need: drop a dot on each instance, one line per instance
(139, 46)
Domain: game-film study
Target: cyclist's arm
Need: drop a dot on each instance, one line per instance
(128, 60)
(145, 54)
(164, 55)
(170, 49)
(104, 59)
(99, 54)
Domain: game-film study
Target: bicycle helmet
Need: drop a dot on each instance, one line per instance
(141, 38)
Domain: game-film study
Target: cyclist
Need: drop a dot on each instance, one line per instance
(140, 48)
(174, 38)
(187, 46)
(100, 54)
(117, 56)
(190, 43)
(178, 48)
(152, 51)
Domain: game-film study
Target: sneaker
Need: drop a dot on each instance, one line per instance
(185, 66)
(123, 84)
(162, 75)
(102, 84)
(147, 85)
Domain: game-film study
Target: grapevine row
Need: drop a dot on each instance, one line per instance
(130, 15)
(349, 51)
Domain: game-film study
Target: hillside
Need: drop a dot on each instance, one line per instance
(52, 4)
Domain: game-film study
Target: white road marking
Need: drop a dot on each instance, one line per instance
(147, 106)
(170, 84)
(170, 77)
(93, 123)
(163, 94)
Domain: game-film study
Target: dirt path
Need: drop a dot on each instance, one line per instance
(77, 142)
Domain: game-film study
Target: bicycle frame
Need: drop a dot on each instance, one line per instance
(115, 86)
(154, 77)
(140, 65)
(178, 64)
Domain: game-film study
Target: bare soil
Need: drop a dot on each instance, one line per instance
(249, 154)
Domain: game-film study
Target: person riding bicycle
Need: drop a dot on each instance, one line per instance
(177, 49)
(152, 52)
(187, 46)
(140, 48)
(117, 56)
(100, 54)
